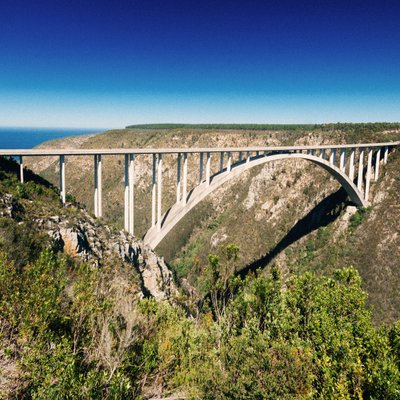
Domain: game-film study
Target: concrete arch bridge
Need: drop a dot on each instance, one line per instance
(354, 166)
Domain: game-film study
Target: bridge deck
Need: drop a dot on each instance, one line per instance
(85, 152)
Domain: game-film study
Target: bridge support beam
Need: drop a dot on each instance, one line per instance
(208, 169)
(159, 191)
(368, 177)
(62, 179)
(322, 154)
(98, 205)
(342, 164)
(126, 193)
(247, 157)
(221, 161)
(178, 179)
(185, 173)
(21, 169)
(229, 166)
(360, 170)
(201, 168)
(385, 155)
(153, 192)
(131, 173)
(377, 162)
(351, 165)
(332, 157)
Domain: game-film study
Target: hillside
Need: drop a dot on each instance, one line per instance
(263, 211)
(87, 312)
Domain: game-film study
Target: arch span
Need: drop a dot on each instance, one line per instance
(154, 236)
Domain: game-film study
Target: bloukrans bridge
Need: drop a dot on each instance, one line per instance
(354, 166)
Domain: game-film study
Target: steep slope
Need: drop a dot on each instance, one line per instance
(256, 211)
(368, 240)
(32, 219)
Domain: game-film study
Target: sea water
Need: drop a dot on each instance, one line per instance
(26, 138)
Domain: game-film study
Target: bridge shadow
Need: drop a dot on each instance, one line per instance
(324, 213)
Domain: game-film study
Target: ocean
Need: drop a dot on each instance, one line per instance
(26, 138)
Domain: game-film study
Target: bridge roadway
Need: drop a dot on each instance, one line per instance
(350, 168)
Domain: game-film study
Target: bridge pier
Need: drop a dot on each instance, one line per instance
(208, 169)
(221, 161)
(368, 177)
(21, 169)
(342, 163)
(332, 157)
(322, 154)
(247, 157)
(360, 170)
(159, 191)
(201, 168)
(178, 179)
(126, 193)
(385, 155)
(185, 173)
(377, 162)
(131, 173)
(351, 164)
(62, 178)
(229, 166)
(153, 193)
(98, 207)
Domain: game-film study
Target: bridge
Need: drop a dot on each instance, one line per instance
(354, 166)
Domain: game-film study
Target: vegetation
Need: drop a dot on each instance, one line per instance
(345, 127)
(71, 331)
(73, 335)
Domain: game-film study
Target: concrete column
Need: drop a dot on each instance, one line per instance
(62, 179)
(178, 179)
(221, 161)
(342, 163)
(96, 187)
(377, 162)
(201, 167)
(385, 155)
(247, 157)
(185, 173)
(240, 156)
(229, 166)
(153, 192)
(208, 169)
(360, 170)
(332, 157)
(351, 165)
(99, 187)
(126, 193)
(322, 154)
(159, 191)
(368, 177)
(131, 173)
(21, 169)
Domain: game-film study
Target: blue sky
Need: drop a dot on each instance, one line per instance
(114, 63)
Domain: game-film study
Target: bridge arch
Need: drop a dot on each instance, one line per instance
(154, 235)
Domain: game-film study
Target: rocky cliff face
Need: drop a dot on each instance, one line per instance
(81, 237)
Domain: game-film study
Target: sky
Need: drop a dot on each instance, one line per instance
(108, 64)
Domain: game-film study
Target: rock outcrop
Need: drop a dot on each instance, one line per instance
(81, 236)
